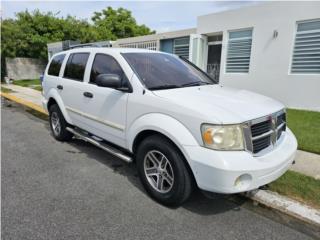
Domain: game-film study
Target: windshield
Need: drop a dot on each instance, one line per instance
(164, 71)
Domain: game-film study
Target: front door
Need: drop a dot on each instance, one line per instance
(214, 56)
(104, 108)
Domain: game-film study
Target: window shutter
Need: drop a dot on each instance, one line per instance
(239, 51)
(181, 47)
(306, 52)
(151, 45)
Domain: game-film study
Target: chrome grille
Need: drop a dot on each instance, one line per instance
(260, 128)
(261, 144)
(264, 132)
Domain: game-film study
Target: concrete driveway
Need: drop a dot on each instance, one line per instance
(53, 190)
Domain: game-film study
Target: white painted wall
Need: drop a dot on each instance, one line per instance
(269, 72)
(24, 68)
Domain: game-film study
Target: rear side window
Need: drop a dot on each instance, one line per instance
(55, 65)
(76, 66)
(105, 64)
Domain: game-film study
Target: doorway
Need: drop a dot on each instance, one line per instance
(214, 56)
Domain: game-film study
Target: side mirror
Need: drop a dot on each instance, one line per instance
(109, 80)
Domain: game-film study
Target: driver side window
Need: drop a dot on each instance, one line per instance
(105, 64)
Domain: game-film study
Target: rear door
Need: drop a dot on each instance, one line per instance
(72, 86)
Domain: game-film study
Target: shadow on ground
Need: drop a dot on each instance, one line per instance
(198, 202)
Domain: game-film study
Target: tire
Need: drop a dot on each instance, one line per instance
(58, 124)
(173, 169)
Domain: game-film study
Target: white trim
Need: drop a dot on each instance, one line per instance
(99, 120)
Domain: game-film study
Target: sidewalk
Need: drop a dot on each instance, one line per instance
(307, 164)
(26, 96)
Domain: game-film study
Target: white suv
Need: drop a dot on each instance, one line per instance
(180, 127)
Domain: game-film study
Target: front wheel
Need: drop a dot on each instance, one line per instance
(58, 124)
(163, 172)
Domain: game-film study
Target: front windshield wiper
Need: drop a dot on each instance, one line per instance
(194, 84)
(167, 86)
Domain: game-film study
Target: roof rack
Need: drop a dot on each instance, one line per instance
(84, 45)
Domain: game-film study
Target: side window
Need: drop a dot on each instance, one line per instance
(105, 64)
(55, 65)
(76, 66)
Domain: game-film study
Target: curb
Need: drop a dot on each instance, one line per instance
(286, 205)
(23, 102)
(267, 198)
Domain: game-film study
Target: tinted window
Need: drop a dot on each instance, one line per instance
(76, 66)
(105, 64)
(163, 71)
(55, 65)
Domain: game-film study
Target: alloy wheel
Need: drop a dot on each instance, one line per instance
(55, 122)
(158, 171)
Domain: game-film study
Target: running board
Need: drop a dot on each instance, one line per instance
(101, 145)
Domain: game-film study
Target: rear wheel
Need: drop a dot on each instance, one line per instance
(58, 124)
(163, 172)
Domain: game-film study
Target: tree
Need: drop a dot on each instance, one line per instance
(29, 33)
(118, 23)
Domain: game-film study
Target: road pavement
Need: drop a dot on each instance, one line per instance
(54, 190)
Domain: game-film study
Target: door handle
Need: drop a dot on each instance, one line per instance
(88, 94)
(60, 87)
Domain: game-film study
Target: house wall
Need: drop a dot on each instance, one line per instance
(24, 68)
(269, 71)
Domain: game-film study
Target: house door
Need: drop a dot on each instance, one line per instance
(214, 56)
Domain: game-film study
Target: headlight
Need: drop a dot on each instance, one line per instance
(222, 137)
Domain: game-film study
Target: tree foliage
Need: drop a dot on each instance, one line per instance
(118, 23)
(28, 34)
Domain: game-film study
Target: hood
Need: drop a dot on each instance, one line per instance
(222, 104)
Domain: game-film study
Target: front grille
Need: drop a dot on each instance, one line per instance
(265, 131)
(261, 144)
(260, 128)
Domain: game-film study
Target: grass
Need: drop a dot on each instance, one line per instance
(39, 88)
(306, 127)
(6, 90)
(30, 83)
(299, 187)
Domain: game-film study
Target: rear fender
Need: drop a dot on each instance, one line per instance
(53, 93)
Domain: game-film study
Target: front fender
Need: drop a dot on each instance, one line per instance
(164, 124)
(53, 93)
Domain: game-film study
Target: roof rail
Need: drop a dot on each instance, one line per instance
(84, 45)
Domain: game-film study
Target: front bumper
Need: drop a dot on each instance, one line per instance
(240, 171)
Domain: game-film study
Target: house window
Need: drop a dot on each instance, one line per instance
(181, 47)
(306, 52)
(239, 51)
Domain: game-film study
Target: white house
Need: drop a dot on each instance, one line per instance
(271, 48)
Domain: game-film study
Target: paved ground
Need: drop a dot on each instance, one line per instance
(53, 190)
(307, 164)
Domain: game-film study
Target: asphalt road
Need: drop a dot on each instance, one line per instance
(53, 190)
